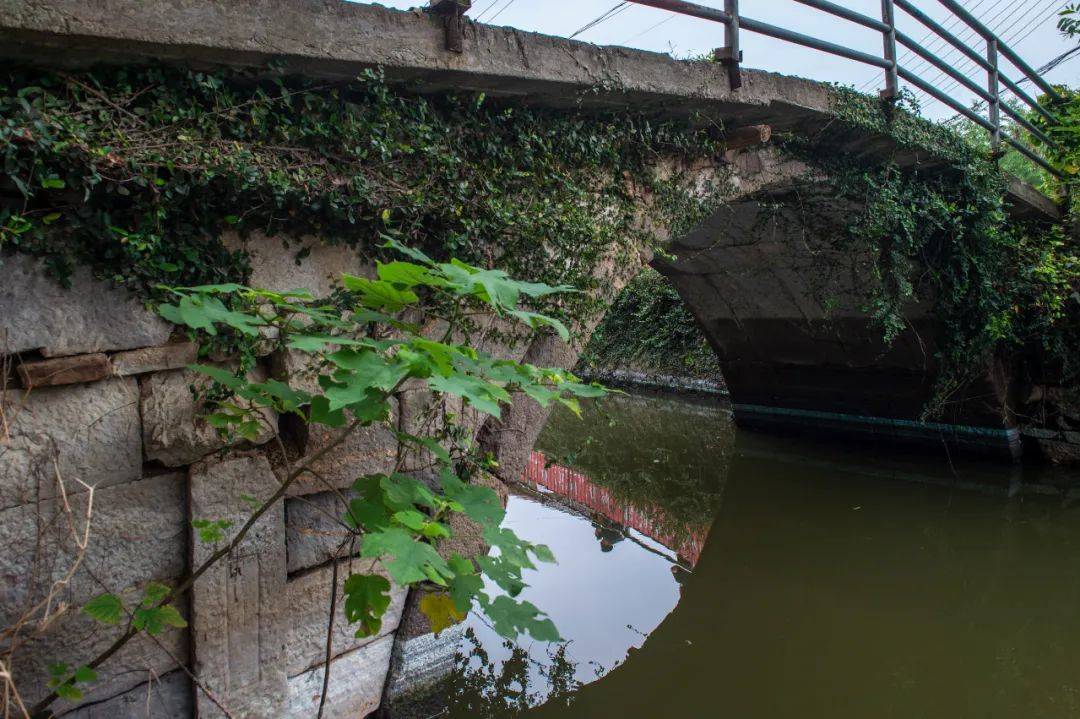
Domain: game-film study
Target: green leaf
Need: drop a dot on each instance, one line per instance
(411, 561)
(153, 620)
(441, 611)
(321, 413)
(367, 597)
(466, 583)
(536, 320)
(105, 608)
(378, 294)
(407, 274)
(480, 504)
(407, 251)
(482, 395)
(85, 675)
(511, 618)
(154, 593)
(53, 183)
(211, 531)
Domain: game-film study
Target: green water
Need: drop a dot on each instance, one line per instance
(835, 581)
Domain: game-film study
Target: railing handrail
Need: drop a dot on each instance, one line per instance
(731, 56)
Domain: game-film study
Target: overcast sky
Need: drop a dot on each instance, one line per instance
(1026, 25)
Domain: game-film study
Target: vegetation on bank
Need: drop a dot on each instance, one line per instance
(649, 329)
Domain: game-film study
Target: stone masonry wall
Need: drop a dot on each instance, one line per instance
(100, 426)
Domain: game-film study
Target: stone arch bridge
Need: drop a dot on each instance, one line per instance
(795, 347)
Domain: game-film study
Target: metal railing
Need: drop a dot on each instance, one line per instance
(731, 56)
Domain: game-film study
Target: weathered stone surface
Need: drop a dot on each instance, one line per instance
(287, 263)
(365, 451)
(154, 359)
(138, 533)
(167, 697)
(356, 684)
(36, 313)
(308, 598)
(91, 430)
(420, 662)
(238, 606)
(64, 370)
(313, 532)
(74, 638)
(175, 432)
(510, 439)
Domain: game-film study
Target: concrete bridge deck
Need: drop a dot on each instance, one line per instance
(334, 39)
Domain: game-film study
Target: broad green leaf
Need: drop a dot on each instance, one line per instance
(379, 294)
(105, 608)
(407, 274)
(482, 395)
(410, 561)
(154, 593)
(536, 321)
(153, 620)
(320, 413)
(511, 618)
(407, 251)
(366, 598)
(480, 504)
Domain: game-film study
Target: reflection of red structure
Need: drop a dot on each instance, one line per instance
(579, 488)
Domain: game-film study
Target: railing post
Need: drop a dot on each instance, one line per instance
(995, 96)
(888, 38)
(730, 55)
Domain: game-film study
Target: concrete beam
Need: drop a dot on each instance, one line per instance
(337, 40)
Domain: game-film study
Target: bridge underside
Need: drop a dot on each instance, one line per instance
(782, 300)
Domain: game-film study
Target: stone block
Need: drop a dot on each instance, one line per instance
(238, 605)
(64, 370)
(367, 450)
(288, 263)
(175, 431)
(36, 313)
(355, 687)
(74, 638)
(138, 533)
(309, 607)
(90, 430)
(154, 359)
(167, 697)
(313, 532)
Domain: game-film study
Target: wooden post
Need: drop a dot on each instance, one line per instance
(453, 15)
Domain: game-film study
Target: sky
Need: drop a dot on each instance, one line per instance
(1028, 26)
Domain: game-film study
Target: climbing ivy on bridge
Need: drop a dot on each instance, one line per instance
(139, 171)
(941, 234)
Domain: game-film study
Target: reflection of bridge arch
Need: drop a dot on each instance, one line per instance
(579, 488)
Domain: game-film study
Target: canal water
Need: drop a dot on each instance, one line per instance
(705, 572)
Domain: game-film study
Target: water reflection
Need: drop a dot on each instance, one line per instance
(825, 586)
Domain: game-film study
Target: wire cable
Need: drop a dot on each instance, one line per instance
(669, 18)
(618, 8)
(492, 19)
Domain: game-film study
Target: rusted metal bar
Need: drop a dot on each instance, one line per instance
(994, 103)
(888, 39)
(730, 55)
(1003, 48)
